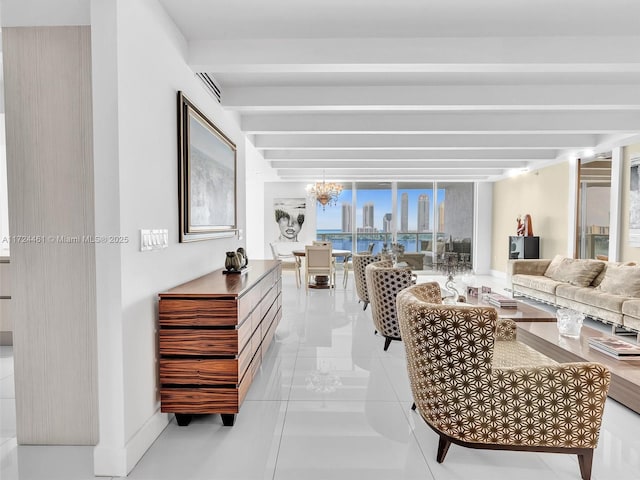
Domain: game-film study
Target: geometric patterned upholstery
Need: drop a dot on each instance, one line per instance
(360, 261)
(467, 400)
(383, 284)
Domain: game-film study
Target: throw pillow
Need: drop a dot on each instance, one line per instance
(553, 266)
(621, 280)
(577, 271)
(598, 280)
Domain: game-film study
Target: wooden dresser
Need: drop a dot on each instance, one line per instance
(213, 333)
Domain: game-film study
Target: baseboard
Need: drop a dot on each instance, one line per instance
(499, 274)
(118, 462)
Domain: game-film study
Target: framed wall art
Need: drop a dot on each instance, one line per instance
(207, 176)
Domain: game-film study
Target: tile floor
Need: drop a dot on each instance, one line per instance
(328, 403)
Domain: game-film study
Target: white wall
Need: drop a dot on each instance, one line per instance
(482, 229)
(145, 67)
(286, 190)
(258, 172)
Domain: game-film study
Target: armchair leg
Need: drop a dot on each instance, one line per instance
(585, 460)
(413, 407)
(387, 342)
(443, 448)
(365, 305)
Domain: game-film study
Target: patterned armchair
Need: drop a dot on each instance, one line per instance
(360, 261)
(384, 281)
(480, 393)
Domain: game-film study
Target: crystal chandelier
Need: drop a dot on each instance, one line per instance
(325, 193)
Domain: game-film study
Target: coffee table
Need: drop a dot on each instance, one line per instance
(524, 312)
(625, 374)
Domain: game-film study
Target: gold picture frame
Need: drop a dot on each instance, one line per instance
(206, 176)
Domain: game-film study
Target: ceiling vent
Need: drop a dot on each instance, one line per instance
(211, 85)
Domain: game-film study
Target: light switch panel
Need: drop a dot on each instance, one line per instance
(154, 239)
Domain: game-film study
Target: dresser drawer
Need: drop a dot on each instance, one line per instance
(192, 341)
(248, 303)
(268, 300)
(198, 312)
(199, 371)
(199, 400)
(251, 372)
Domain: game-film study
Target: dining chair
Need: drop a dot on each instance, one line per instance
(326, 243)
(360, 262)
(288, 261)
(321, 242)
(384, 281)
(319, 261)
(347, 265)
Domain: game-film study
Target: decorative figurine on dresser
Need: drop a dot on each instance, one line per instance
(235, 262)
(213, 333)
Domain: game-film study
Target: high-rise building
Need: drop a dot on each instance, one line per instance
(367, 215)
(404, 212)
(386, 222)
(423, 213)
(441, 217)
(346, 217)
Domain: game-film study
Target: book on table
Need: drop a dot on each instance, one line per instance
(615, 347)
(501, 301)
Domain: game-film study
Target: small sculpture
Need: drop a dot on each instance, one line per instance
(233, 263)
(245, 260)
(528, 228)
(525, 229)
(520, 227)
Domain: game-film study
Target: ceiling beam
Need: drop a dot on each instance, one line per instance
(425, 54)
(424, 141)
(342, 177)
(450, 122)
(416, 155)
(397, 165)
(432, 98)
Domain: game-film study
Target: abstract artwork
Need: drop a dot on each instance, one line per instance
(207, 183)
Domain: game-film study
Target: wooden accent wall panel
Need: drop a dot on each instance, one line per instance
(48, 105)
(214, 331)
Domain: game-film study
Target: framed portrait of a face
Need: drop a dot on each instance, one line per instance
(289, 215)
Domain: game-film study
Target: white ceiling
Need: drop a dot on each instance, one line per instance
(417, 89)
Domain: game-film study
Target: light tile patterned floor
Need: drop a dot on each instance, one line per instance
(328, 403)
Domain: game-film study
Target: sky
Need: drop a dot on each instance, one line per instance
(331, 217)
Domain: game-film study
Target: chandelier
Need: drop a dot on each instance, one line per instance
(325, 193)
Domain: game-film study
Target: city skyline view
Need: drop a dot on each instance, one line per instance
(332, 218)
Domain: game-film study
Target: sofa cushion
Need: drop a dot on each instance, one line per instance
(621, 280)
(553, 266)
(632, 308)
(592, 296)
(577, 272)
(598, 280)
(536, 282)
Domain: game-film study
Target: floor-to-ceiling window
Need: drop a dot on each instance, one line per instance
(428, 218)
(373, 216)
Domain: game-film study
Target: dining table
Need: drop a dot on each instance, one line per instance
(322, 281)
